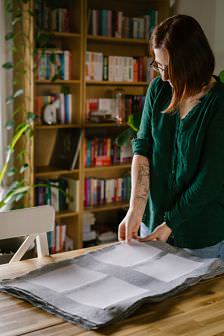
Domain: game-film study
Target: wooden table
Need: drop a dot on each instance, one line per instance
(198, 311)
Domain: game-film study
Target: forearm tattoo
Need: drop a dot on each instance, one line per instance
(142, 186)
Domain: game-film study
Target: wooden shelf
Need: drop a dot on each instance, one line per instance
(78, 42)
(62, 34)
(61, 82)
(48, 127)
(65, 214)
(109, 39)
(92, 82)
(108, 207)
(112, 167)
(112, 124)
(46, 171)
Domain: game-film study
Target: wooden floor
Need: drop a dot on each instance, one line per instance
(199, 311)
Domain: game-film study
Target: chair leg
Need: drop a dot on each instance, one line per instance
(23, 248)
(42, 245)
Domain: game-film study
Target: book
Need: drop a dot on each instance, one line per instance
(74, 192)
(66, 149)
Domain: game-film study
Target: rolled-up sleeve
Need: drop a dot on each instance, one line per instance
(142, 144)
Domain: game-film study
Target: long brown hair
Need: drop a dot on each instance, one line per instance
(191, 60)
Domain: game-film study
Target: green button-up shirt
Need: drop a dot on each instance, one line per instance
(186, 165)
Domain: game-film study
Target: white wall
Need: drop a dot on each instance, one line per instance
(209, 13)
(218, 36)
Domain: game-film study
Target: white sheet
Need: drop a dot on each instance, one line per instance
(128, 254)
(169, 267)
(67, 278)
(105, 293)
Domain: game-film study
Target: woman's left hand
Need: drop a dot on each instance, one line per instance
(161, 232)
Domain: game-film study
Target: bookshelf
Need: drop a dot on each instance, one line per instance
(78, 40)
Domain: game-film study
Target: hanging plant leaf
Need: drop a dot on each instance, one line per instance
(16, 20)
(22, 126)
(21, 155)
(30, 133)
(134, 121)
(14, 50)
(14, 195)
(18, 93)
(7, 65)
(25, 1)
(125, 137)
(23, 168)
(19, 196)
(8, 6)
(31, 12)
(11, 171)
(9, 99)
(9, 36)
(30, 117)
(10, 124)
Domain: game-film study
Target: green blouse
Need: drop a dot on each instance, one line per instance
(186, 165)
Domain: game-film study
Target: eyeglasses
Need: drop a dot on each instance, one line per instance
(154, 65)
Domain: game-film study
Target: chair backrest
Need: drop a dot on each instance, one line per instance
(31, 222)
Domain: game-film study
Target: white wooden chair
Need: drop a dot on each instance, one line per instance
(31, 222)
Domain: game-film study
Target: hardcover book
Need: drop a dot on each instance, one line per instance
(66, 149)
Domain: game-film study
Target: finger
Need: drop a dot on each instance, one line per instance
(121, 233)
(151, 236)
(128, 235)
(135, 235)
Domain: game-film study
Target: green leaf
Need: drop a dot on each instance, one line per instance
(10, 124)
(20, 127)
(16, 20)
(20, 156)
(2, 203)
(134, 121)
(19, 196)
(30, 117)
(221, 76)
(8, 6)
(14, 49)
(11, 171)
(23, 168)
(7, 65)
(30, 133)
(15, 194)
(9, 99)
(125, 137)
(18, 93)
(31, 12)
(25, 1)
(9, 36)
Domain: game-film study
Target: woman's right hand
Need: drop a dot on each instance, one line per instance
(128, 228)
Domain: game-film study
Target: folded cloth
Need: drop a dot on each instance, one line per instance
(104, 286)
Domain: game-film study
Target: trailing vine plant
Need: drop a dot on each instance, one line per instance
(23, 66)
(20, 124)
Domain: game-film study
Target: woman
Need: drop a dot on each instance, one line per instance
(178, 163)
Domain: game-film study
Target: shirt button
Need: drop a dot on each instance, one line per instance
(173, 172)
